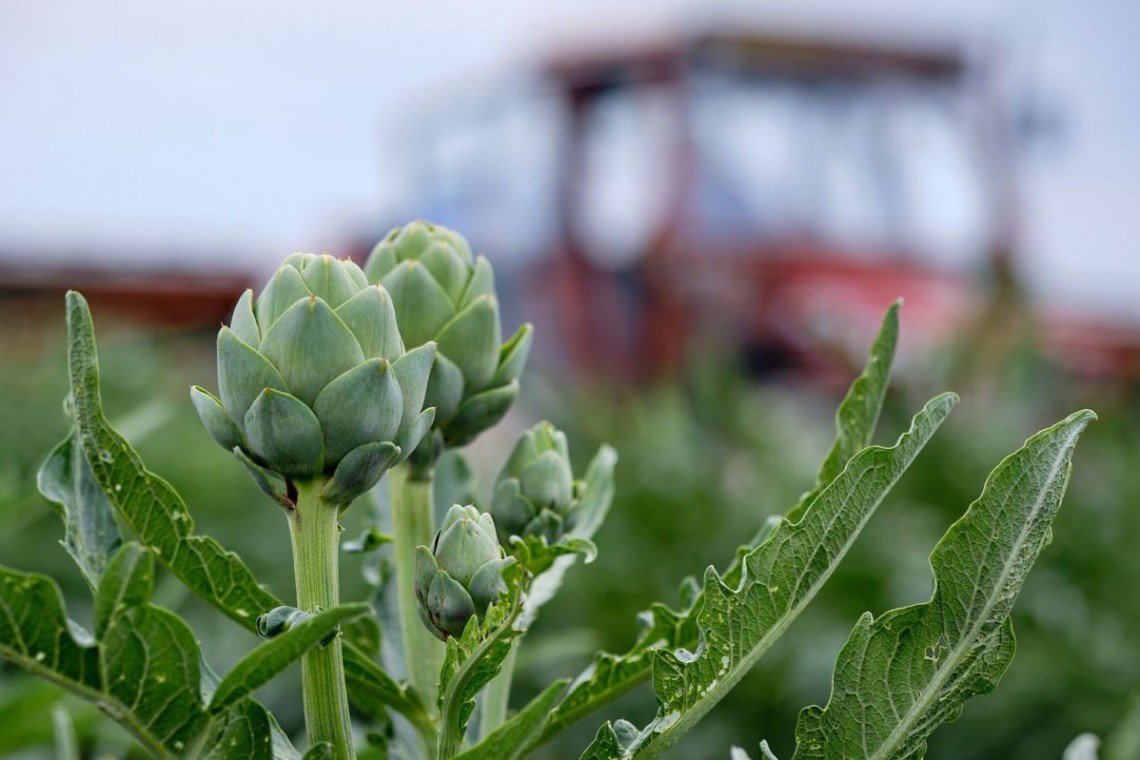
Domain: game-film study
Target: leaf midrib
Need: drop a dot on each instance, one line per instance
(102, 699)
(918, 708)
(662, 741)
(659, 742)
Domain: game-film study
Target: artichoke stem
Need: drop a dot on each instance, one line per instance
(497, 697)
(412, 526)
(316, 542)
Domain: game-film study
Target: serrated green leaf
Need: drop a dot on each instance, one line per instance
(146, 503)
(36, 635)
(858, 413)
(272, 657)
(904, 674)
(90, 533)
(610, 676)
(595, 493)
(248, 732)
(538, 556)
(737, 625)
(472, 660)
(141, 648)
(154, 512)
(510, 740)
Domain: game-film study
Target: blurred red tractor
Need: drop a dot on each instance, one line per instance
(772, 193)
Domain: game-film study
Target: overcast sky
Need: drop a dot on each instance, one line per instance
(249, 129)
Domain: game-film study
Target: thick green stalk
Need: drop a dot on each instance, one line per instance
(316, 542)
(497, 697)
(412, 526)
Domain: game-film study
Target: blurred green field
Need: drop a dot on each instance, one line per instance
(704, 460)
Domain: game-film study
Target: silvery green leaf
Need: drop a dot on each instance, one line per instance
(858, 414)
(90, 533)
(138, 648)
(610, 676)
(905, 673)
(595, 494)
(146, 504)
(473, 659)
(738, 624)
(248, 732)
(510, 740)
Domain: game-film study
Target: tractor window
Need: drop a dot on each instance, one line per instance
(870, 167)
(627, 169)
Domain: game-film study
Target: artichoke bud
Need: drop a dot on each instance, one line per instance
(314, 380)
(461, 574)
(281, 619)
(441, 292)
(534, 494)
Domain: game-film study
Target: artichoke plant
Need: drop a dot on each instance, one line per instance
(314, 380)
(461, 574)
(534, 494)
(441, 292)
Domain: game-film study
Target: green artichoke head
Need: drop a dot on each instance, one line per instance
(441, 292)
(314, 380)
(461, 574)
(534, 494)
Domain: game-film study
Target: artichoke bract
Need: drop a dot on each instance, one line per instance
(441, 292)
(314, 380)
(461, 574)
(534, 494)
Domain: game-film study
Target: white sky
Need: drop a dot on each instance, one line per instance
(219, 128)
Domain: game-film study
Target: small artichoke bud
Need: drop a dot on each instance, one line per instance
(441, 292)
(281, 619)
(534, 495)
(461, 574)
(314, 379)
